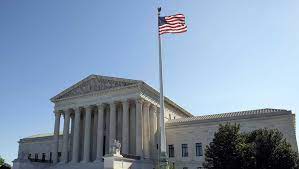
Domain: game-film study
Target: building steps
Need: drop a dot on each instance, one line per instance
(90, 165)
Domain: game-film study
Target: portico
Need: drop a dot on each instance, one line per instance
(98, 110)
(105, 129)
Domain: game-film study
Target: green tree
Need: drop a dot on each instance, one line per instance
(226, 149)
(1, 161)
(259, 149)
(271, 150)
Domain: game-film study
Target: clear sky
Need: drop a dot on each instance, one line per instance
(236, 55)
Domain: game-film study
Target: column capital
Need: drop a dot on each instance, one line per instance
(125, 101)
(57, 112)
(100, 105)
(77, 109)
(88, 108)
(67, 111)
(140, 100)
(113, 102)
(146, 104)
(154, 108)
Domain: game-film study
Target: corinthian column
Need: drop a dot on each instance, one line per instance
(112, 125)
(86, 154)
(56, 136)
(153, 130)
(100, 132)
(139, 103)
(76, 135)
(146, 127)
(66, 132)
(125, 128)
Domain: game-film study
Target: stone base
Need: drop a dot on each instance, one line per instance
(81, 165)
(117, 161)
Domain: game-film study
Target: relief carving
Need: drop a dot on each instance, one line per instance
(94, 85)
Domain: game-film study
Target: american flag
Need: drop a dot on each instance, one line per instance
(172, 24)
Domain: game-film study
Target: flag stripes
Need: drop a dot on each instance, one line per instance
(172, 24)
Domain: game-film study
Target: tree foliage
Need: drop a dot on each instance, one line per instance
(1, 161)
(259, 149)
(271, 150)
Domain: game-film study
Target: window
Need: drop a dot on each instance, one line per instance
(35, 157)
(59, 155)
(169, 116)
(198, 147)
(171, 150)
(29, 156)
(44, 157)
(184, 150)
(50, 157)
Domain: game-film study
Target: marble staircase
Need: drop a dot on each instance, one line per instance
(90, 165)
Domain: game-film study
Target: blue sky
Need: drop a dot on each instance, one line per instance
(236, 55)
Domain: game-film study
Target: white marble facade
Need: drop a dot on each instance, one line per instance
(97, 110)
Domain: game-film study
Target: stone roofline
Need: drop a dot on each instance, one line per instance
(229, 116)
(38, 137)
(56, 97)
(135, 83)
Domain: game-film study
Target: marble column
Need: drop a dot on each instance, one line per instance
(56, 136)
(139, 103)
(153, 130)
(100, 132)
(94, 130)
(125, 128)
(66, 132)
(112, 125)
(132, 126)
(71, 136)
(75, 156)
(146, 133)
(86, 154)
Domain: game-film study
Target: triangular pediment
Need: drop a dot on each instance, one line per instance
(94, 83)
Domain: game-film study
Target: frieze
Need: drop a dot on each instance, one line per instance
(95, 85)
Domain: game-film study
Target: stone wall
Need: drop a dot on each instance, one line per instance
(38, 145)
(203, 132)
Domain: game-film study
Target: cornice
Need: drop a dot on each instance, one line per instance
(97, 93)
(40, 139)
(187, 123)
(98, 77)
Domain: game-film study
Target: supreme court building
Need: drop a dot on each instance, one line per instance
(99, 110)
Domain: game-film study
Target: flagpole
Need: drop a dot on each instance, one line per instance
(163, 161)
